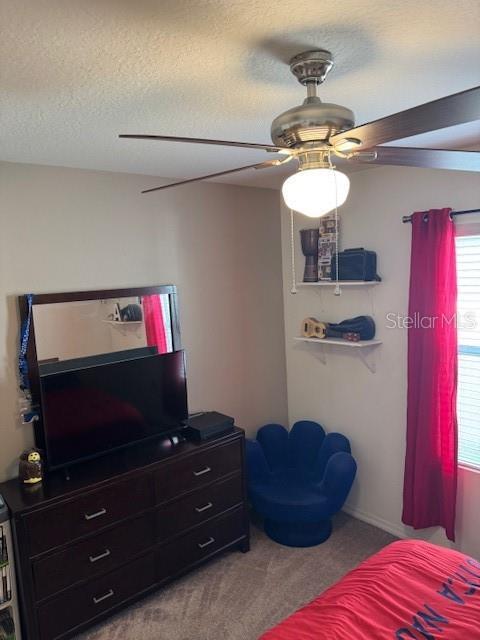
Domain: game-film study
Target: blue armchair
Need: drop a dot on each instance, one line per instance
(297, 480)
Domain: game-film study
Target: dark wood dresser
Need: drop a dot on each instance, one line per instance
(121, 526)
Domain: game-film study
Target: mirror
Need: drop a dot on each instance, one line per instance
(80, 329)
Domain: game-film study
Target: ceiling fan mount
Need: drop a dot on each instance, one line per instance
(313, 132)
(311, 66)
(312, 121)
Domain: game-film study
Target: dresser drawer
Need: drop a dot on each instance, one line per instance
(54, 526)
(198, 470)
(80, 604)
(197, 507)
(200, 543)
(96, 555)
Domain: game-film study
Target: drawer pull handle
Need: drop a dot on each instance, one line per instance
(202, 472)
(109, 594)
(208, 506)
(202, 545)
(105, 554)
(97, 514)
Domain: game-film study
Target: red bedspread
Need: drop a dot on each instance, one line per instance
(410, 589)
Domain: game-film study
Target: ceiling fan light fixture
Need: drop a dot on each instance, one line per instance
(315, 192)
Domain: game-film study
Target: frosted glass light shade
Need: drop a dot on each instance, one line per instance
(315, 192)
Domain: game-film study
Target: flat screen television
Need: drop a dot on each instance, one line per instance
(92, 410)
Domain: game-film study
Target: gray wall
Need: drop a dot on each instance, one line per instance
(343, 394)
(68, 229)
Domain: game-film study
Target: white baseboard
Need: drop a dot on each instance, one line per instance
(432, 534)
(390, 527)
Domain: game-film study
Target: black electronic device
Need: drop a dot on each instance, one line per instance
(210, 424)
(355, 264)
(95, 409)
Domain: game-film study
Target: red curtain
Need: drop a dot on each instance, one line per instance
(430, 483)
(154, 323)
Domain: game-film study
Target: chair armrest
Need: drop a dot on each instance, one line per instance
(257, 467)
(338, 478)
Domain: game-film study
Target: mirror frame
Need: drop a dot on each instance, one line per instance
(78, 296)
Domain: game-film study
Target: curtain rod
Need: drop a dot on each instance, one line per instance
(454, 213)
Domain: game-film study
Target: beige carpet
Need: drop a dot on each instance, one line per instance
(238, 596)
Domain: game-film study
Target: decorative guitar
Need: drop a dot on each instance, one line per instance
(353, 330)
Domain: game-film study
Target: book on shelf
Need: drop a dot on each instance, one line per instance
(5, 579)
(5, 591)
(3, 546)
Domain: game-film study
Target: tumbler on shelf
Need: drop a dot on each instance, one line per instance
(309, 238)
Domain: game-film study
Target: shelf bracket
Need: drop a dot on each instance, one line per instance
(321, 355)
(365, 349)
(367, 356)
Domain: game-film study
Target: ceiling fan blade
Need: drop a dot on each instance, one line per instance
(446, 112)
(429, 158)
(221, 143)
(259, 165)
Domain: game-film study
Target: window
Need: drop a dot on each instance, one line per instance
(468, 318)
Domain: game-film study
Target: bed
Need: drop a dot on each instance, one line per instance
(410, 589)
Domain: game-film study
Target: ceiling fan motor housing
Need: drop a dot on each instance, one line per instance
(312, 121)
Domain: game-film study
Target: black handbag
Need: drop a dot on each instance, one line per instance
(355, 264)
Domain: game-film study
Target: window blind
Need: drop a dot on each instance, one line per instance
(468, 323)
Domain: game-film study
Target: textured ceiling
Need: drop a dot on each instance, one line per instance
(75, 74)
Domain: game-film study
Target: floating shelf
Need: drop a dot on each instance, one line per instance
(363, 348)
(122, 323)
(339, 341)
(342, 283)
(125, 327)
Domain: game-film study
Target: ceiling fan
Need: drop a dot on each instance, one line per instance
(314, 133)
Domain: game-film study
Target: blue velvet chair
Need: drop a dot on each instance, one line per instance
(297, 480)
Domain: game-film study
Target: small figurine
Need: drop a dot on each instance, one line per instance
(30, 468)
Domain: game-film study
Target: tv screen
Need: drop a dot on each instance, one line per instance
(92, 410)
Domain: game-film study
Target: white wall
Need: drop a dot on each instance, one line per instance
(343, 394)
(71, 330)
(67, 229)
(76, 329)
